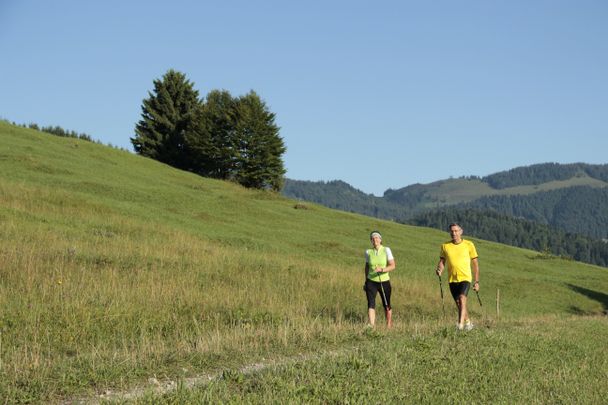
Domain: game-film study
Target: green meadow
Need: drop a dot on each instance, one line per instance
(116, 270)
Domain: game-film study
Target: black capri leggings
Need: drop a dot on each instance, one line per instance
(372, 288)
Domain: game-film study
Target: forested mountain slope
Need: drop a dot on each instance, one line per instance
(570, 197)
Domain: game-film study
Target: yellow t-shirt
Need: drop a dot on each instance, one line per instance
(458, 259)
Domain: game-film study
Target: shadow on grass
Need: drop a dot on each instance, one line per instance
(594, 295)
(355, 317)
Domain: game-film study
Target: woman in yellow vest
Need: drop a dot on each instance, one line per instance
(379, 262)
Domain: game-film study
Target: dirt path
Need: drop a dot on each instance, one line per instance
(159, 387)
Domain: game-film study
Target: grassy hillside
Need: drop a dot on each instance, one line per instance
(115, 268)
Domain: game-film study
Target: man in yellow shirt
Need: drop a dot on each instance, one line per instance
(459, 255)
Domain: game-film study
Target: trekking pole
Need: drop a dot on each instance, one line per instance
(478, 299)
(382, 290)
(441, 289)
(387, 308)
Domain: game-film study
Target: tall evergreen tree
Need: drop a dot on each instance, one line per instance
(217, 153)
(260, 148)
(222, 137)
(171, 116)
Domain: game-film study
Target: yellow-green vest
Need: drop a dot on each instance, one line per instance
(377, 259)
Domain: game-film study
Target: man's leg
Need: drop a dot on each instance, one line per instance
(464, 314)
(459, 293)
(459, 306)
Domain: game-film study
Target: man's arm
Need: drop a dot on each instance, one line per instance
(475, 264)
(440, 266)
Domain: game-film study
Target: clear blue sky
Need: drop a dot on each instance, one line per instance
(379, 94)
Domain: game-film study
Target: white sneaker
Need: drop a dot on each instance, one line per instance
(459, 326)
(468, 326)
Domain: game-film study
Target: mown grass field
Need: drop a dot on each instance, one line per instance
(115, 269)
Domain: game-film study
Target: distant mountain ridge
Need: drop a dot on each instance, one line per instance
(579, 209)
(341, 195)
(544, 173)
(571, 197)
(519, 181)
(504, 191)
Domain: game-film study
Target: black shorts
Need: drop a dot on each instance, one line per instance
(372, 288)
(458, 289)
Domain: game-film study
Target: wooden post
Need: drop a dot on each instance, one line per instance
(497, 303)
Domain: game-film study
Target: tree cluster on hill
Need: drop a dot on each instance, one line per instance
(543, 173)
(490, 225)
(224, 137)
(57, 130)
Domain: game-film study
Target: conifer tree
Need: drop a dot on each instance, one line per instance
(259, 162)
(171, 116)
(222, 137)
(216, 153)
